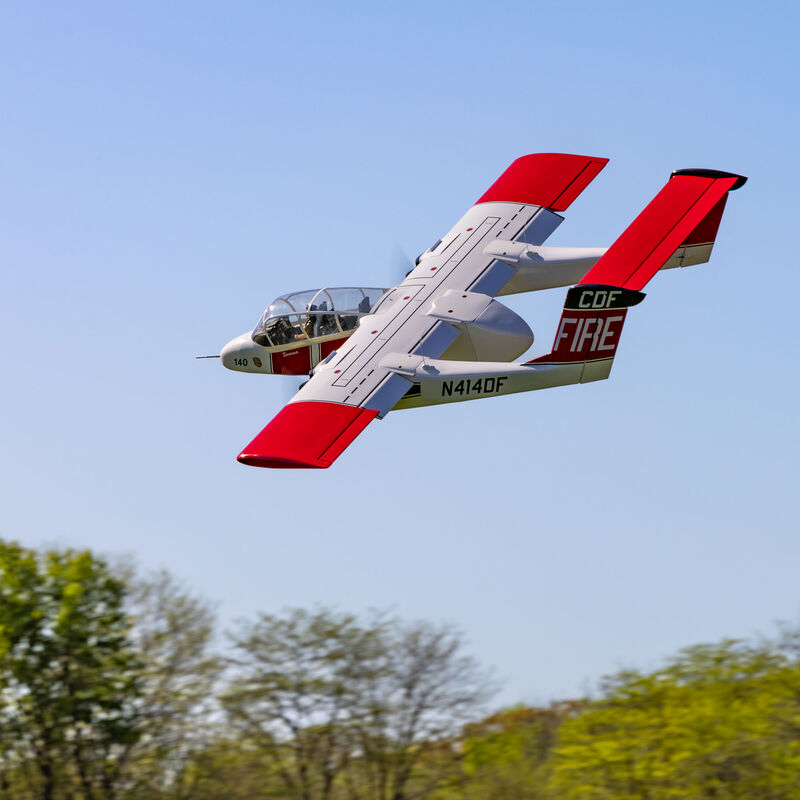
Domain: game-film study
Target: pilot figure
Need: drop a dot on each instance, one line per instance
(326, 325)
(281, 331)
(308, 325)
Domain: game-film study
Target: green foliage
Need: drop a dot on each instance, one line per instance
(234, 769)
(717, 721)
(296, 684)
(342, 705)
(172, 632)
(105, 678)
(506, 754)
(68, 671)
(110, 689)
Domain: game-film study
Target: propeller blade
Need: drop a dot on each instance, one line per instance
(400, 264)
(291, 385)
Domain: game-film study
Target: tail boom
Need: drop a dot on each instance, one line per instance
(437, 381)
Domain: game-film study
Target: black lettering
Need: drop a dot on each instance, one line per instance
(459, 387)
(488, 385)
(447, 388)
(477, 386)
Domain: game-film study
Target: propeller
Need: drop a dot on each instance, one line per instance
(291, 385)
(400, 264)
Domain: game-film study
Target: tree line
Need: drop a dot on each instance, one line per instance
(115, 685)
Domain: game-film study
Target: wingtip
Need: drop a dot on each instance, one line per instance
(255, 460)
(712, 173)
(550, 180)
(306, 435)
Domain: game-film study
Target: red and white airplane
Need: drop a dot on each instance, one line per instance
(440, 336)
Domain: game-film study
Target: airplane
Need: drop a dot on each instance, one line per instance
(440, 336)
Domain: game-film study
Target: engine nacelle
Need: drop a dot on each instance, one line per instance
(489, 330)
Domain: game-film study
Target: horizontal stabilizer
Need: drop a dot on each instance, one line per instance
(689, 205)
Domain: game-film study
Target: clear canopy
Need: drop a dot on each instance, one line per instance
(313, 314)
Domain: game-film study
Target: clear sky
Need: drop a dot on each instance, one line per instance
(167, 169)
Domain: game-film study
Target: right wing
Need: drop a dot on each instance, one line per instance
(454, 276)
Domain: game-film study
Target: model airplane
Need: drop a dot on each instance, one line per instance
(440, 336)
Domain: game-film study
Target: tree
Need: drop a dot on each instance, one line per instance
(173, 633)
(68, 672)
(411, 710)
(296, 689)
(508, 754)
(717, 721)
(232, 768)
(106, 678)
(343, 705)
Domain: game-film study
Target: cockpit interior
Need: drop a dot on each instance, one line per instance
(301, 317)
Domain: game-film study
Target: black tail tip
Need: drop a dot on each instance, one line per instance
(713, 173)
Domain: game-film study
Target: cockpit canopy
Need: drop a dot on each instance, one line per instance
(313, 314)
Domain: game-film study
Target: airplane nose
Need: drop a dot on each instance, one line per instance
(226, 354)
(233, 350)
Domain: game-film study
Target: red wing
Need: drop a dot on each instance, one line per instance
(690, 204)
(551, 180)
(307, 434)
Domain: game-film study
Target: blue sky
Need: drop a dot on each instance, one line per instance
(167, 169)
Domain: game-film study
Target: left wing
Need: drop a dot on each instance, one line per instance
(454, 276)
(306, 434)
